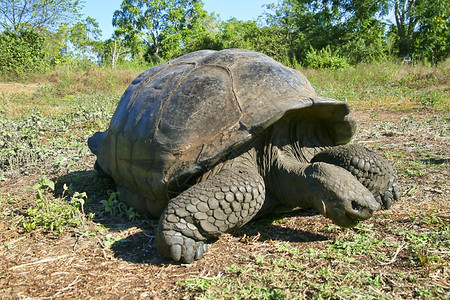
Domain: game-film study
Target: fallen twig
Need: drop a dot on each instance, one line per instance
(395, 255)
(44, 260)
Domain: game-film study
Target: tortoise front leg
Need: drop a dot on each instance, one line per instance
(217, 205)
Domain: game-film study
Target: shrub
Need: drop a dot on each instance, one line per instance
(325, 58)
(20, 53)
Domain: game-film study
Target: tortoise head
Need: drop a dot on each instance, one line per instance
(339, 196)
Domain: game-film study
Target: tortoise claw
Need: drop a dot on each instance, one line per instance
(179, 247)
(391, 194)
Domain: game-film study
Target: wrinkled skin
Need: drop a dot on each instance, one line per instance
(345, 183)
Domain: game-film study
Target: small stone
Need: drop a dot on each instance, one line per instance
(180, 226)
(224, 204)
(232, 219)
(255, 193)
(182, 212)
(219, 223)
(236, 206)
(191, 208)
(361, 164)
(260, 189)
(176, 240)
(175, 252)
(191, 226)
(203, 198)
(248, 197)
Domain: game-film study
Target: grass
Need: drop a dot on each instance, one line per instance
(54, 206)
(386, 85)
(352, 266)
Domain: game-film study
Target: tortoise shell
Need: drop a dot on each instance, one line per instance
(182, 117)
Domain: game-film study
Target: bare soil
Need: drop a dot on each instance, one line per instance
(80, 265)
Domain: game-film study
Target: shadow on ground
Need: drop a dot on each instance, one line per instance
(138, 246)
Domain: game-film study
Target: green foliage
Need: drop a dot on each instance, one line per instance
(21, 52)
(325, 58)
(21, 142)
(16, 15)
(422, 29)
(55, 215)
(160, 25)
(114, 207)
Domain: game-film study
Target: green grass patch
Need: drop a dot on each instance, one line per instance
(385, 85)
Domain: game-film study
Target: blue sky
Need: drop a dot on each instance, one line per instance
(102, 10)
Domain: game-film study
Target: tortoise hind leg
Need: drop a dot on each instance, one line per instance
(220, 204)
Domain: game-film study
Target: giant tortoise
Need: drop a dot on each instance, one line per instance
(213, 139)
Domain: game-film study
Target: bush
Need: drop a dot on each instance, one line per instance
(20, 53)
(325, 58)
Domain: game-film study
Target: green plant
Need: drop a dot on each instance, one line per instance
(113, 207)
(325, 58)
(55, 215)
(260, 259)
(21, 52)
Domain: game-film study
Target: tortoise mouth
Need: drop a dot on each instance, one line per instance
(342, 217)
(353, 220)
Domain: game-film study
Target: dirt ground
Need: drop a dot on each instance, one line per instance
(39, 265)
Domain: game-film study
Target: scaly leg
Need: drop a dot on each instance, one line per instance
(220, 204)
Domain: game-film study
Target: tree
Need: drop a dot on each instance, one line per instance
(161, 24)
(364, 34)
(432, 37)
(406, 20)
(422, 28)
(238, 34)
(37, 14)
(84, 36)
(352, 27)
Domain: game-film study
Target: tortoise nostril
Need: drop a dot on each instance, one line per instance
(356, 206)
